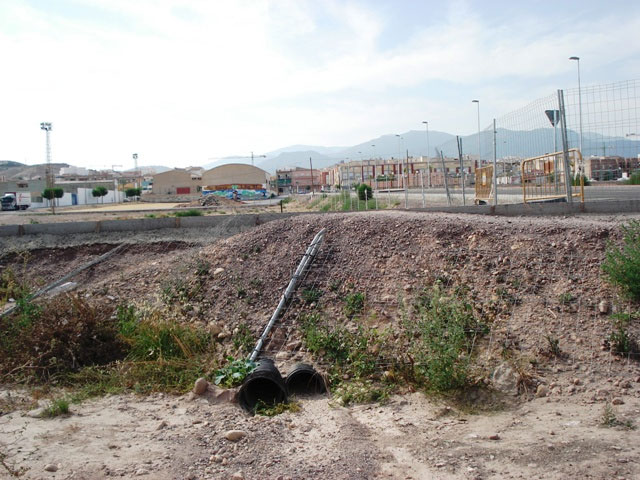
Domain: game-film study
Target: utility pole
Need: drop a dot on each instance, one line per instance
(116, 196)
(495, 168)
(406, 189)
(311, 167)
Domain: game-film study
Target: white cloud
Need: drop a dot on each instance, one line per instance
(180, 81)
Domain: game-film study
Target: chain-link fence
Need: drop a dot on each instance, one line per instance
(600, 122)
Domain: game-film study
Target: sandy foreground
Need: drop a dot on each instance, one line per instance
(167, 437)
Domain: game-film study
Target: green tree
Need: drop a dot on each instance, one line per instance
(58, 193)
(133, 192)
(365, 192)
(99, 192)
(49, 194)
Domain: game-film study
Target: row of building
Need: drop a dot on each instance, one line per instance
(250, 182)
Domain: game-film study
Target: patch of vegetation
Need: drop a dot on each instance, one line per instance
(354, 304)
(150, 215)
(64, 335)
(362, 391)
(622, 264)
(13, 284)
(566, 298)
(620, 340)
(286, 200)
(192, 212)
(365, 192)
(180, 291)
(96, 349)
(234, 372)
(347, 352)
(432, 349)
(202, 267)
(154, 338)
(634, 179)
(575, 181)
(553, 345)
(243, 339)
(311, 295)
(444, 336)
(58, 406)
(268, 410)
(609, 419)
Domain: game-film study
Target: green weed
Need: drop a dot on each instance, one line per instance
(234, 372)
(443, 338)
(354, 304)
(192, 212)
(243, 339)
(58, 406)
(311, 295)
(622, 343)
(609, 419)
(268, 410)
(622, 264)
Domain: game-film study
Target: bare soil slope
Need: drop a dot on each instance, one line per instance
(534, 279)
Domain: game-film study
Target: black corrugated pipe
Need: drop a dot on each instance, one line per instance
(263, 385)
(305, 380)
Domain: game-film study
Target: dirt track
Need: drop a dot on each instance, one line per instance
(390, 257)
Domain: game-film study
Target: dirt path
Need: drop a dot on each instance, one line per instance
(168, 437)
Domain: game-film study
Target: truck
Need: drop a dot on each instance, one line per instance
(16, 200)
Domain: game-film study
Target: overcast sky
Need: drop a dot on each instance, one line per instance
(182, 81)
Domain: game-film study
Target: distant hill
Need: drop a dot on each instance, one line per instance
(5, 164)
(29, 172)
(296, 159)
(328, 151)
(388, 146)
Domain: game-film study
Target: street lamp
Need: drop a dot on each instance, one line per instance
(46, 126)
(477, 102)
(577, 59)
(428, 160)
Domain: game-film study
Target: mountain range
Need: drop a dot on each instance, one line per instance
(509, 143)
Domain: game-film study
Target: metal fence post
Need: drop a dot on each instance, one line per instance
(565, 146)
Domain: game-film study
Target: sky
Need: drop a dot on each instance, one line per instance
(186, 82)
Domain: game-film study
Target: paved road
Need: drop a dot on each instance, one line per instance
(507, 194)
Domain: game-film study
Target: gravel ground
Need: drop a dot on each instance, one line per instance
(520, 272)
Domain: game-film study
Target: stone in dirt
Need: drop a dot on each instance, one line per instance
(617, 401)
(50, 467)
(200, 386)
(505, 379)
(238, 476)
(235, 435)
(542, 391)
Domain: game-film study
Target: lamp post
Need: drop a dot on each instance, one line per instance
(135, 167)
(577, 59)
(46, 126)
(428, 159)
(477, 102)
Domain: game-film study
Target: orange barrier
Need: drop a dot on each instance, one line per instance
(543, 177)
(484, 184)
